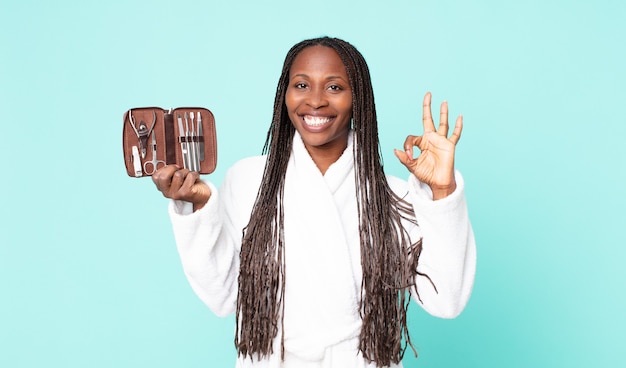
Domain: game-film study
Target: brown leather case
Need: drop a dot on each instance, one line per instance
(153, 137)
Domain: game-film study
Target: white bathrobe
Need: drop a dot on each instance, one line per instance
(322, 254)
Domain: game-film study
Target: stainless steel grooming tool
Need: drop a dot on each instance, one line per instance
(149, 167)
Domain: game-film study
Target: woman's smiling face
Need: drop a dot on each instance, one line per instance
(319, 101)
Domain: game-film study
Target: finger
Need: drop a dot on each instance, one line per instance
(410, 142)
(162, 178)
(402, 156)
(195, 190)
(177, 182)
(427, 117)
(443, 119)
(458, 128)
(191, 179)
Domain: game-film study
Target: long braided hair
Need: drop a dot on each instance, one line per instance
(388, 258)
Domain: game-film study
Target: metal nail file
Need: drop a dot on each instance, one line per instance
(201, 135)
(194, 145)
(190, 159)
(183, 146)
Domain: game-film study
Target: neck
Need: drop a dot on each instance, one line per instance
(325, 155)
(323, 158)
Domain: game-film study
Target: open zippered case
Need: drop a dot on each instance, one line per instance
(154, 137)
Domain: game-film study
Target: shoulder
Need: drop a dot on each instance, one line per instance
(248, 165)
(240, 187)
(246, 173)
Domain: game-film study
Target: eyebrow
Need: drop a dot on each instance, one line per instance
(327, 78)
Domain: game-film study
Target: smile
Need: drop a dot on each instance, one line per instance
(316, 121)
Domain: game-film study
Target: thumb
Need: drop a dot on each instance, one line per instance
(402, 156)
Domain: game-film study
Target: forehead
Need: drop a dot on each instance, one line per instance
(318, 59)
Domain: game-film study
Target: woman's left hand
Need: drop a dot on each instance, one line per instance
(435, 164)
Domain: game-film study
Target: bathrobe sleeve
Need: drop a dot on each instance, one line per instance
(209, 240)
(448, 250)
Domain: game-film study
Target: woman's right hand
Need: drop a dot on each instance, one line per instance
(182, 184)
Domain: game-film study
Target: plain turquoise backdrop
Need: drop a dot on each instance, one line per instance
(89, 274)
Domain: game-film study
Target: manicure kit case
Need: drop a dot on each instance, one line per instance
(154, 137)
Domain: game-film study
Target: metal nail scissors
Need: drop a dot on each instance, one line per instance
(149, 167)
(142, 132)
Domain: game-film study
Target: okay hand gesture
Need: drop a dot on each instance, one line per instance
(435, 163)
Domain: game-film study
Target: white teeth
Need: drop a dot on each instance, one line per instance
(315, 120)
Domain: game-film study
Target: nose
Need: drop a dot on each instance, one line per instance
(317, 98)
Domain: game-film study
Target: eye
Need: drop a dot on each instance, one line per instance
(300, 85)
(335, 87)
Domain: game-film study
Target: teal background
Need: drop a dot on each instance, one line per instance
(89, 274)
